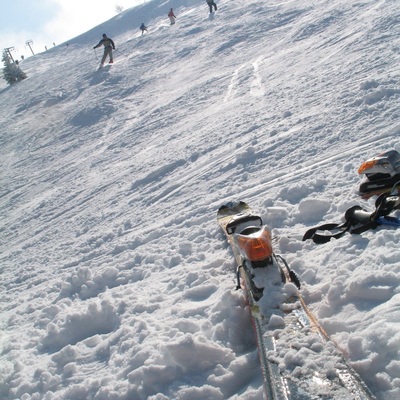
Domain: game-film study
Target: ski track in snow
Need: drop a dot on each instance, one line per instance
(116, 281)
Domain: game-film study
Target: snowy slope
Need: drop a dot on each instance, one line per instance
(116, 282)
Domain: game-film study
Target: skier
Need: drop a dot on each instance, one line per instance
(109, 46)
(143, 28)
(171, 16)
(211, 4)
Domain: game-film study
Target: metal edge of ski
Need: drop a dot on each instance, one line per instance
(276, 386)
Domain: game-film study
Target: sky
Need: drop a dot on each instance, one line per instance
(116, 281)
(45, 22)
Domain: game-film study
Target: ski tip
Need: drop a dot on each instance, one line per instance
(233, 207)
(234, 204)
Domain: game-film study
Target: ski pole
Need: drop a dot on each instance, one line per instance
(95, 55)
(121, 53)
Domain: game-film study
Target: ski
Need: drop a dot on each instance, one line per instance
(298, 359)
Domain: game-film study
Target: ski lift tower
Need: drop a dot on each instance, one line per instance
(8, 51)
(29, 42)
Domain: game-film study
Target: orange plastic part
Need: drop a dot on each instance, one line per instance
(256, 248)
(366, 165)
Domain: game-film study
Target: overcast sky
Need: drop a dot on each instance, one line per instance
(45, 22)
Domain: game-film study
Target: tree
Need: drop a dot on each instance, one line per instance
(12, 73)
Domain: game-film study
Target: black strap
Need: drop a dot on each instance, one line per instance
(238, 286)
(356, 217)
(325, 238)
(366, 222)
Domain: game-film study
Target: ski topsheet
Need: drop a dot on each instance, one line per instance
(298, 359)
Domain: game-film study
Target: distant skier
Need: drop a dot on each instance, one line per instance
(109, 46)
(143, 28)
(211, 4)
(171, 16)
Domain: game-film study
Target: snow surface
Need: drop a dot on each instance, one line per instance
(116, 282)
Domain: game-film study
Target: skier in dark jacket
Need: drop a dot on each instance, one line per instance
(109, 46)
(171, 16)
(143, 28)
(211, 4)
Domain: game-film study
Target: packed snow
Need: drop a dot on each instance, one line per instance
(116, 281)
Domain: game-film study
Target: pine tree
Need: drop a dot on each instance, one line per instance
(12, 73)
